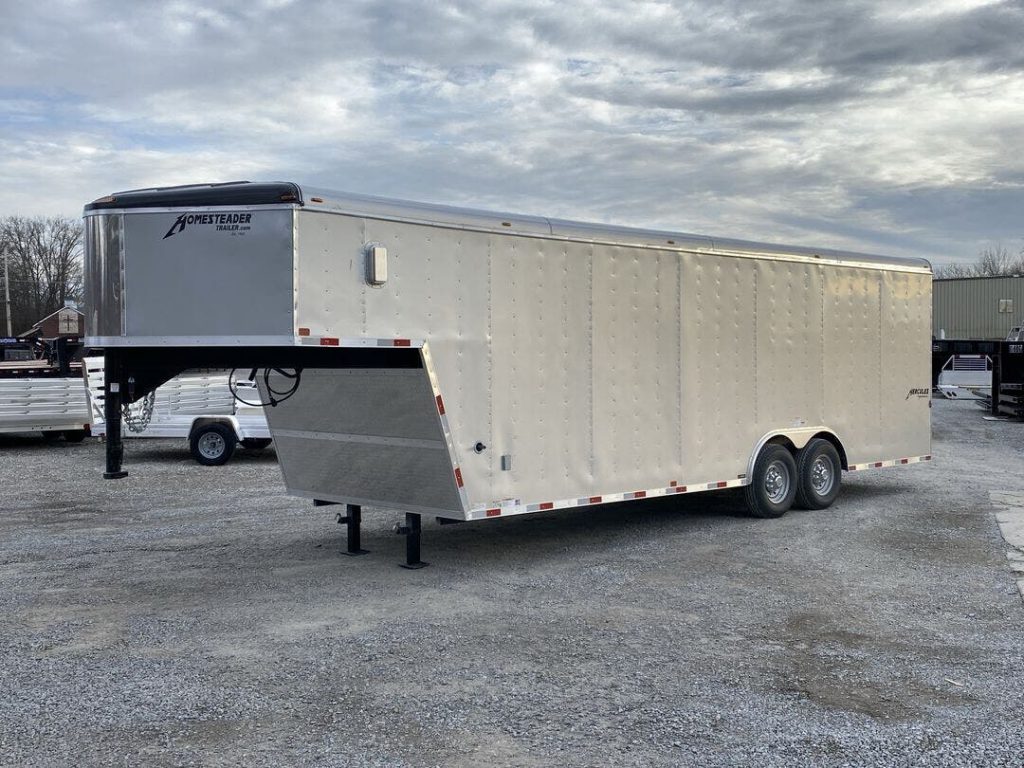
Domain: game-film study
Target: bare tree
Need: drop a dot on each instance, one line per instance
(995, 261)
(44, 264)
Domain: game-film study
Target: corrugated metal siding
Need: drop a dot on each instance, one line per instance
(969, 308)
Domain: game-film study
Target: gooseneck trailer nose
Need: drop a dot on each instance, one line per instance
(474, 365)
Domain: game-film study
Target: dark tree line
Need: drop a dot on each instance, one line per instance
(44, 264)
(992, 262)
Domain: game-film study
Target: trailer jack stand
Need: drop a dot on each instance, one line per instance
(411, 531)
(352, 519)
(112, 416)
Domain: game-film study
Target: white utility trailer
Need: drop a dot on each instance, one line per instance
(35, 398)
(198, 406)
(475, 365)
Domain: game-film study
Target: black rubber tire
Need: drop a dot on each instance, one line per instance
(206, 458)
(759, 503)
(807, 497)
(74, 435)
(255, 443)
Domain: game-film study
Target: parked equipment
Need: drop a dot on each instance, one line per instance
(474, 365)
(43, 393)
(966, 377)
(197, 405)
(1008, 377)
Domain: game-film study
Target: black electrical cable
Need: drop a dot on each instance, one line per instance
(295, 377)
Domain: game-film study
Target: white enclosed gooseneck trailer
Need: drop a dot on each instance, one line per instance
(472, 365)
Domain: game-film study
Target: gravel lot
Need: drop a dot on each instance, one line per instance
(199, 616)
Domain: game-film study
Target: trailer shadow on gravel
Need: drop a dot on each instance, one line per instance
(633, 529)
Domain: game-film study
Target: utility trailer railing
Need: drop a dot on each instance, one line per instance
(44, 394)
(52, 405)
(472, 365)
(198, 405)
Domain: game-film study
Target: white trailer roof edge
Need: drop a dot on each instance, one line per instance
(453, 217)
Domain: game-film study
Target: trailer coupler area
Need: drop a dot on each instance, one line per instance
(134, 372)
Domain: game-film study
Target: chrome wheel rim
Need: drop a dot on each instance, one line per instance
(776, 482)
(822, 476)
(211, 445)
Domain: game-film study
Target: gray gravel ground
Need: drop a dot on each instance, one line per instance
(199, 616)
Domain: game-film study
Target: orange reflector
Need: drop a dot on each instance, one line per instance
(303, 331)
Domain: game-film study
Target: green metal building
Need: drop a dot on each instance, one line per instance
(977, 307)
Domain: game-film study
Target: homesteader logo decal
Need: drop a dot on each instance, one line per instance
(224, 222)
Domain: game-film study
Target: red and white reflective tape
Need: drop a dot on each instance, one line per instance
(347, 341)
(508, 507)
(446, 429)
(889, 463)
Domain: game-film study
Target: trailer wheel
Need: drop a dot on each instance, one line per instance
(255, 443)
(74, 435)
(819, 471)
(774, 483)
(212, 444)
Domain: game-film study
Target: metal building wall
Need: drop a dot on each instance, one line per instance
(968, 308)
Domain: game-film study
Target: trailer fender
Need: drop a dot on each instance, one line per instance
(228, 421)
(795, 439)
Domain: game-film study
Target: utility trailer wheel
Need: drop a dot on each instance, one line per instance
(819, 473)
(74, 435)
(255, 443)
(212, 444)
(774, 483)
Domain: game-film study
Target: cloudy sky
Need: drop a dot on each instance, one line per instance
(890, 127)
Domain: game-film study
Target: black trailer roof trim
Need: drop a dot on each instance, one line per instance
(196, 195)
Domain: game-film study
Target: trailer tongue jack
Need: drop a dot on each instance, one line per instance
(112, 415)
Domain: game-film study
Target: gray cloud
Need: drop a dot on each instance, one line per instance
(870, 125)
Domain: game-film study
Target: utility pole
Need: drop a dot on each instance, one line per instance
(7, 292)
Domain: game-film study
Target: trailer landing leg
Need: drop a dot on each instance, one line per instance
(411, 530)
(112, 416)
(352, 519)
